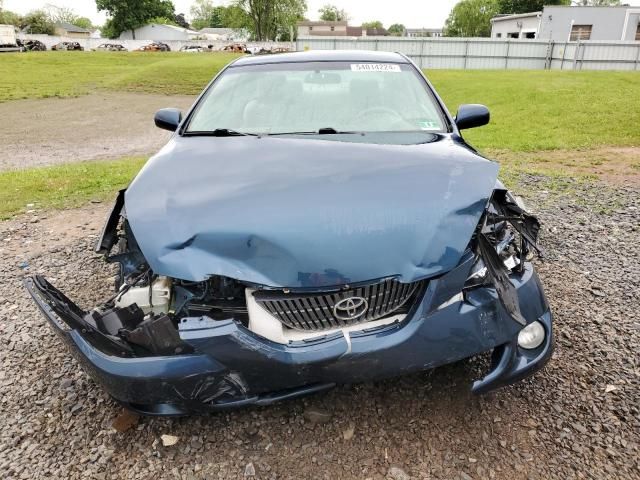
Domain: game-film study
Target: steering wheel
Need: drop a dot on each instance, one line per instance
(379, 111)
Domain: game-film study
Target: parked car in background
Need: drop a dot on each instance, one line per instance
(67, 46)
(271, 51)
(155, 47)
(110, 47)
(192, 49)
(316, 218)
(236, 48)
(32, 46)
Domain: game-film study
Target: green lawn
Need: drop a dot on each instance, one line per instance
(65, 74)
(543, 110)
(531, 110)
(64, 186)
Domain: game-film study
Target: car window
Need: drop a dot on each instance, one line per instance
(306, 97)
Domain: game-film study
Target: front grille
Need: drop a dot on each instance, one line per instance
(322, 311)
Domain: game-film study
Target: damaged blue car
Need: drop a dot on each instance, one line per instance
(316, 219)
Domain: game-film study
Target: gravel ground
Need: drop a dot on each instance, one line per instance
(579, 418)
(98, 126)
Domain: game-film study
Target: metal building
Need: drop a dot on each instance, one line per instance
(562, 24)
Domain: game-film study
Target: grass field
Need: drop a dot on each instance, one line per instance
(67, 74)
(531, 110)
(536, 115)
(64, 186)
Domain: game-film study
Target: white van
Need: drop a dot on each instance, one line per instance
(8, 41)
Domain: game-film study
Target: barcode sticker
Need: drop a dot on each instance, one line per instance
(375, 67)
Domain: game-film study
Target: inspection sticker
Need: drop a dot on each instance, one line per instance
(375, 67)
(429, 125)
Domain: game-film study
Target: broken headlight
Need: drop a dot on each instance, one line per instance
(504, 239)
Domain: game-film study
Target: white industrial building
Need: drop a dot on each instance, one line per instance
(158, 31)
(524, 25)
(570, 24)
(225, 34)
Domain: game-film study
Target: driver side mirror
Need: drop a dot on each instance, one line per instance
(168, 119)
(471, 116)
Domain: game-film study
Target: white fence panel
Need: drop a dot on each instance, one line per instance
(485, 53)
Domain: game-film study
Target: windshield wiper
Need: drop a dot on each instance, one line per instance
(221, 132)
(321, 131)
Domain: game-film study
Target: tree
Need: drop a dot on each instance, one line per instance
(471, 18)
(60, 14)
(234, 17)
(377, 24)
(83, 22)
(272, 19)
(9, 18)
(162, 21)
(180, 20)
(131, 14)
(66, 15)
(527, 6)
(205, 14)
(331, 13)
(397, 30)
(202, 14)
(37, 21)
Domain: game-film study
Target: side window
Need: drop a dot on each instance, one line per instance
(580, 32)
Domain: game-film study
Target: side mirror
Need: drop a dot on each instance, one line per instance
(471, 116)
(168, 119)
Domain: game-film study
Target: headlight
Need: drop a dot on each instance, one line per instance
(531, 336)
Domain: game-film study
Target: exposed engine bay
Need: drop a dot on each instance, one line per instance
(144, 315)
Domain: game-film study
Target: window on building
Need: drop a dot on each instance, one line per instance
(310, 28)
(333, 29)
(513, 35)
(638, 33)
(529, 35)
(580, 32)
(498, 35)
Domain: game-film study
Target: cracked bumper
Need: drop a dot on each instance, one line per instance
(233, 367)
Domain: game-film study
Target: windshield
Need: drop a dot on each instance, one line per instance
(309, 97)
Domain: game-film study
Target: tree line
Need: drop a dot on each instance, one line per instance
(43, 20)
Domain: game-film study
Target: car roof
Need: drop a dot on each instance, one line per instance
(323, 56)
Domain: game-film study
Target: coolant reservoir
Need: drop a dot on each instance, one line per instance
(159, 296)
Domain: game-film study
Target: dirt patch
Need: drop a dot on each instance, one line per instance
(614, 165)
(97, 126)
(579, 418)
(36, 233)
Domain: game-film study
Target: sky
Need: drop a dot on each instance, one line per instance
(411, 13)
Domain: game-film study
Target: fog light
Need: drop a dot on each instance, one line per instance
(531, 336)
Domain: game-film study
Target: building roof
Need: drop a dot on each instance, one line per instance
(377, 32)
(500, 18)
(217, 31)
(308, 23)
(324, 56)
(172, 27)
(424, 29)
(71, 28)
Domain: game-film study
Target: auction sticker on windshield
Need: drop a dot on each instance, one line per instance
(375, 67)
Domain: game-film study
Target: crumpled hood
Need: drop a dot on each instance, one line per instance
(296, 212)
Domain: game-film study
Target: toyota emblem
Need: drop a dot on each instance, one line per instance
(350, 308)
